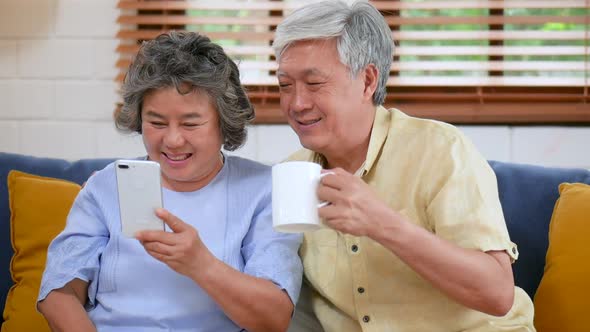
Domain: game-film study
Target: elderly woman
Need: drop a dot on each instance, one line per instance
(220, 266)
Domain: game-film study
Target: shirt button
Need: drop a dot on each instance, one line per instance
(354, 248)
(366, 319)
(514, 251)
(360, 290)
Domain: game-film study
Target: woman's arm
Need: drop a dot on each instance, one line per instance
(73, 257)
(63, 308)
(254, 304)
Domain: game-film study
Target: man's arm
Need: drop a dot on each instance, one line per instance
(479, 280)
(64, 308)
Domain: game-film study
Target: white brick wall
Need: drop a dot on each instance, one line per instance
(27, 99)
(86, 18)
(112, 144)
(69, 139)
(57, 65)
(554, 146)
(84, 100)
(9, 136)
(8, 62)
(57, 94)
(27, 18)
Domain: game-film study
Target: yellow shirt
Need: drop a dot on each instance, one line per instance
(428, 171)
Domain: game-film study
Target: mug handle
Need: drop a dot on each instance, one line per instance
(322, 204)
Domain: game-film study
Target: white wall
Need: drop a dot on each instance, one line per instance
(57, 94)
(57, 69)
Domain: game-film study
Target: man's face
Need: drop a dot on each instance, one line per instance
(322, 103)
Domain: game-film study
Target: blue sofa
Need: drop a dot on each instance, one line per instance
(528, 194)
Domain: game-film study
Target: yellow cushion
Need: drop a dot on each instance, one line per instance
(561, 302)
(39, 207)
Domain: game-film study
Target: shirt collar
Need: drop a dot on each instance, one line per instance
(379, 131)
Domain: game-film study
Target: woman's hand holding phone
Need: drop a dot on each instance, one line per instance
(140, 194)
(182, 249)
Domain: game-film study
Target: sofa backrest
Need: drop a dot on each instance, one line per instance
(528, 194)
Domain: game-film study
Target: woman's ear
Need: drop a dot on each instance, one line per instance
(371, 77)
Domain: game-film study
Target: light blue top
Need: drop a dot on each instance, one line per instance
(131, 291)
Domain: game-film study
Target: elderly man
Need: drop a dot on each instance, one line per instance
(417, 238)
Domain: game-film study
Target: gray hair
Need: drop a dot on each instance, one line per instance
(362, 36)
(181, 59)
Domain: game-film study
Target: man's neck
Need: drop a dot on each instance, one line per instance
(351, 155)
(350, 159)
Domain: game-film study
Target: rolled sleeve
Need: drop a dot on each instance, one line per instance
(273, 256)
(467, 210)
(75, 252)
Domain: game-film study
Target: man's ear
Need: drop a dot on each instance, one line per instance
(371, 78)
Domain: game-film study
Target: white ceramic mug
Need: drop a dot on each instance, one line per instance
(294, 196)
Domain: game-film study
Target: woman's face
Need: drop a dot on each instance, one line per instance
(182, 133)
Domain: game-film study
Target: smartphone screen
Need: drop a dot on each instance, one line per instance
(140, 194)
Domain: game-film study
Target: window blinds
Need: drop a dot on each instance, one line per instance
(461, 61)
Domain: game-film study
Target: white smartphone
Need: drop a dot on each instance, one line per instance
(140, 194)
